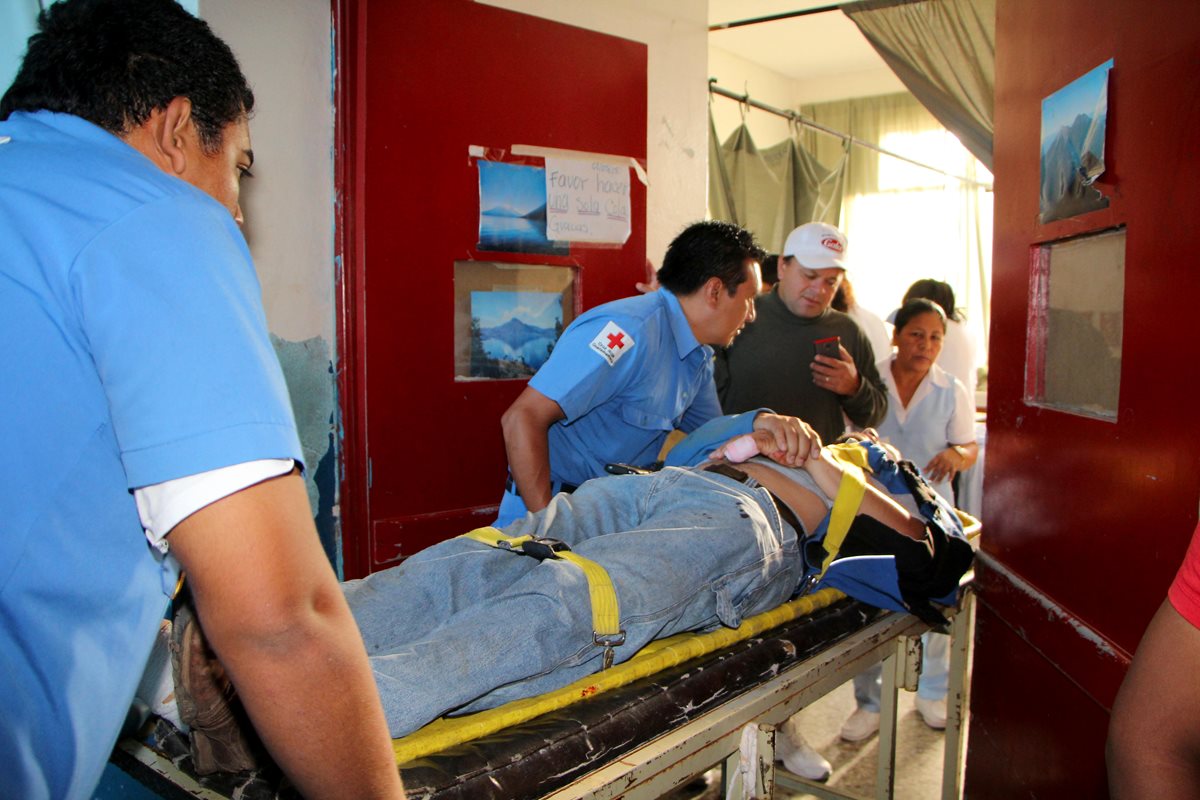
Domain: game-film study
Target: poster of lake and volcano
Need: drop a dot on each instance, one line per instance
(1072, 149)
(512, 333)
(512, 210)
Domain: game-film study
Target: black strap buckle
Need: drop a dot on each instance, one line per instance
(543, 548)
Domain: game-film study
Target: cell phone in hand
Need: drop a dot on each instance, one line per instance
(828, 346)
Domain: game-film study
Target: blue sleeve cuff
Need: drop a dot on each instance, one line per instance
(696, 446)
(212, 450)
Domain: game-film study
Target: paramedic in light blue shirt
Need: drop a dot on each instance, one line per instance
(625, 374)
(142, 400)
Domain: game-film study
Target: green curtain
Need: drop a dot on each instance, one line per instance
(868, 119)
(772, 190)
(720, 192)
(888, 205)
(944, 52)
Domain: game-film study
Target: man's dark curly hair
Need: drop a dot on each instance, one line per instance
(113, 62)
(708, 249)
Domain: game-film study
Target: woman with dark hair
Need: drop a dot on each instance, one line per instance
(958, 348)
(931, 420)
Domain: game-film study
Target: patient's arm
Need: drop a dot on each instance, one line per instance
(828, 474)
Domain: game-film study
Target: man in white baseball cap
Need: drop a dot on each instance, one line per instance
(801, 357)
(817, 244)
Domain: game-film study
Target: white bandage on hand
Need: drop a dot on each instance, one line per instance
(741, 449)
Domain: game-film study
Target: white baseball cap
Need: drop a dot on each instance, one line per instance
(817, 245)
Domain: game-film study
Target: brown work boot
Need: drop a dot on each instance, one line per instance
(222, 738)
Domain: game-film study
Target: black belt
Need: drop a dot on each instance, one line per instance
(510, 486)
(785, 511)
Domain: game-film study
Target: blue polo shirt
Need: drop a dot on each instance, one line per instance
(134, 349)
(626, 374)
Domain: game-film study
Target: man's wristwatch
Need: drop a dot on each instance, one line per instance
(962, 451)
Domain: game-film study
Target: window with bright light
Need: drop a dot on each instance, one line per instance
(919, 223)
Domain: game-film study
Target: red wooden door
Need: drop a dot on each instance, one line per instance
(419, 84)
(1086, 520)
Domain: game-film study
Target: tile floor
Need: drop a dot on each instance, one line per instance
(919, 752)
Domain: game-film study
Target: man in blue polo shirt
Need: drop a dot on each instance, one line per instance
(145, 419)
(625, 374)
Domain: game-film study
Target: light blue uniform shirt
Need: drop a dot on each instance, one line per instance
(625, 374)
(134, 350)
(939, 414)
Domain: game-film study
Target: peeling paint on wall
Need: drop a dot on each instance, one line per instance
(308, 370)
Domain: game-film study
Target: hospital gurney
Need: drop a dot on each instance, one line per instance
(643, 739)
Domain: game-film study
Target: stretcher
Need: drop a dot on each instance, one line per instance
(645, 738)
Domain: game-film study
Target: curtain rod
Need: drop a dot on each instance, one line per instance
(724, 26)
(799, 119)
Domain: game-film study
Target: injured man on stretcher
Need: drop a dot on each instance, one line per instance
(494, 616)
(466, 625)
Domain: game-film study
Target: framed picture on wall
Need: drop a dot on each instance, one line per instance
(507, 317)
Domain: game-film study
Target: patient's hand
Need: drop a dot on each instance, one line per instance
(737, 449)
(764, 442)
(787, 440)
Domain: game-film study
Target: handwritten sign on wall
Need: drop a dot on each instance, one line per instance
(586, 201)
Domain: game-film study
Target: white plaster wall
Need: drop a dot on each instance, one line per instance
(284, 49)
(766, 86)
(676, 35)
(864, 83)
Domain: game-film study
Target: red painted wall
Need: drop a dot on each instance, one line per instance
(419, 82)
(1086, 520)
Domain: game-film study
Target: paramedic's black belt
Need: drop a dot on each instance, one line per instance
(785, 511)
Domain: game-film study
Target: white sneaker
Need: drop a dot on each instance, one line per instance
(799, 758)
(860, 725)
(933, 712)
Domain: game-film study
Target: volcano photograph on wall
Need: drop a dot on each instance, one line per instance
(1072, 152)
(512, 333)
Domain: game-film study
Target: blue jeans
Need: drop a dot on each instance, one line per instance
(935, 674)
(512, 507)
(462, 626)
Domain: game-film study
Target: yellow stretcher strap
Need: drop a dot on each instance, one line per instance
(851, 490)
(658, 655)
(606, 616)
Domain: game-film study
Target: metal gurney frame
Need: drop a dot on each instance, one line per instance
(658, 766)
(652, 768)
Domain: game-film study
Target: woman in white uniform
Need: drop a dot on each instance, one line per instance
(931, 420)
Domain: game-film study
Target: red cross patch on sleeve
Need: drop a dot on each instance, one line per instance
(612, 343)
